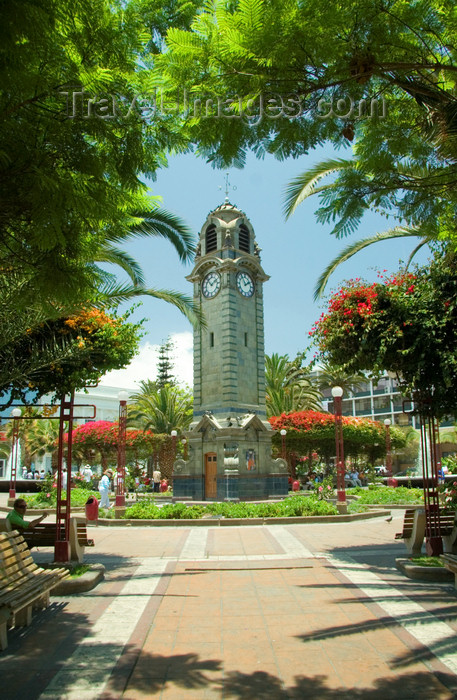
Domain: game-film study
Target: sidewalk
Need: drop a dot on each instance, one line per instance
(255, 612)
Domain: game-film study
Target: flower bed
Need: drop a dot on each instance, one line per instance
(290, 507)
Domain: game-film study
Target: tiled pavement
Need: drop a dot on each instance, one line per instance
(252, 612)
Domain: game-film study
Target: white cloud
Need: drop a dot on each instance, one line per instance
(144, 365)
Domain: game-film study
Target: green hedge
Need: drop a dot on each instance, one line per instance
(42, 500)
(295, 505)
(387, 495)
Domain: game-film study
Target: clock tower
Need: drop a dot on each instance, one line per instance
(229, 354)
(230, 438)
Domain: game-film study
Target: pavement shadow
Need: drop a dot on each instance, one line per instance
(444, 646)
(35, 653)
(176, 674)
(417, 686)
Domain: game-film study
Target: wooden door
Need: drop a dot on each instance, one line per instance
(210, 475)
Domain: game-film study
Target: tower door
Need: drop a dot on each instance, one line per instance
(210, 475)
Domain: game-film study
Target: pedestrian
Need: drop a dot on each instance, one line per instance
(87, 473)
(164, 485)
(156, 477)
(104, 488)
(64, 479)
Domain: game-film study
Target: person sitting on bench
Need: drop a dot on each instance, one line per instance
(16, 517)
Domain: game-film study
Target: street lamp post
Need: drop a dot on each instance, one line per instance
(120, 488)
(174, 435)
(283, 434)
(16, 413)
(387, 423)
(337, 393)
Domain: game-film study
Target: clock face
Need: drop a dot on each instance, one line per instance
(245, 284)
(211, 285)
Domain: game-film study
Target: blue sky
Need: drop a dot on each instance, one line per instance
(294, 253)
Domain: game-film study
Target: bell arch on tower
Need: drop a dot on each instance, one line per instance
(210, 239)
(244, 239)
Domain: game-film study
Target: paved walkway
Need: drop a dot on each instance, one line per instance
(253, 612)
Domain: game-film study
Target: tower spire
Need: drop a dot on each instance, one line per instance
(228, 187)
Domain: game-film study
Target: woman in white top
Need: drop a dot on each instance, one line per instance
(103, 487)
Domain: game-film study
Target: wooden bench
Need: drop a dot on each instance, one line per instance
(450, 562)
(413, 532)
(23, 584)
(45, 534)
(5, 525)
(450, 533)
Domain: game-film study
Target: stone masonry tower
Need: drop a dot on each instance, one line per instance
(229, 362)
(230, 438)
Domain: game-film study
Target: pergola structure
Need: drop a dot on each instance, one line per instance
(63, 506)
(431, 463)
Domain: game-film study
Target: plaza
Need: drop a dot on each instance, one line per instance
(276, 611)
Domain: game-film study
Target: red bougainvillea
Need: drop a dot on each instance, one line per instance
(358, 306)
(314, 430)
(103, 436)
(405, 324)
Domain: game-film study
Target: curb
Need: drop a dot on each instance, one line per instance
(80, 584)
(435, 574)
(224, 522)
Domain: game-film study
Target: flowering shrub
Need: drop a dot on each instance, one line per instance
(310, 463)
(405, 324)
(449, 495)
(85, 346)
(78, 482)
(359, 310)
(314, 430)
(325, 490)
(103, 436)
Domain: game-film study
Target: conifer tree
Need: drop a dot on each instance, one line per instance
(165, 365)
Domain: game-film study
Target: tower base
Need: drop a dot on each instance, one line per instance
(230, 463)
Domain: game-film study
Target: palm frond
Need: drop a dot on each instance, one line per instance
(114, 293)
(115, 256)
(353, 248)
(415, 250)
(159, 222)
(305, 184)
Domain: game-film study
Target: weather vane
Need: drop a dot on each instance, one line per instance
(228, 187)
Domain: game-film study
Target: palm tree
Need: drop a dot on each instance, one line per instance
(42, 438)
(161, 410)
(331, 375)
(289, 386)
(307, 184)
